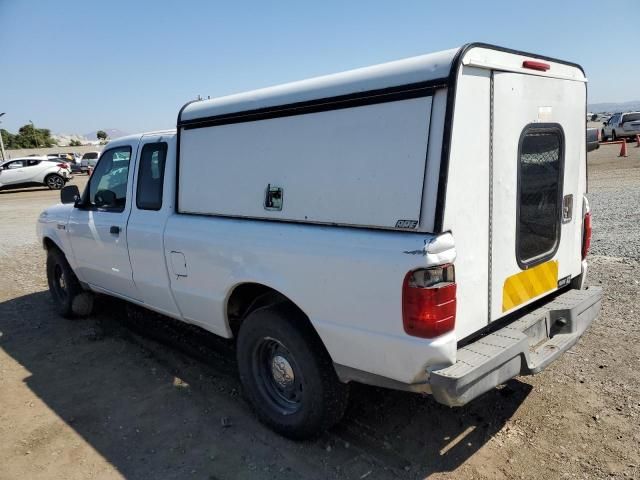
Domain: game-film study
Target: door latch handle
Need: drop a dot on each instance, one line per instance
(115, 230)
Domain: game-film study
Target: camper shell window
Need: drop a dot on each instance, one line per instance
(540, 167)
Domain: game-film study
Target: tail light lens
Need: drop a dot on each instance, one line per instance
(586, 234)
(429, 301)
(62, 165)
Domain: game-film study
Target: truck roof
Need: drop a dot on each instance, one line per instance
(433, 68)
(138, 136)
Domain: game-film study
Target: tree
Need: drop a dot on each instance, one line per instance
(75, 143)
(102, 135)
(28, 136)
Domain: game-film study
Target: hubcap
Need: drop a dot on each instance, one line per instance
(282, 371)
(60, 286)
(277, 376)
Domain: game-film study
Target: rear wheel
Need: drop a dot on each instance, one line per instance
(287, 374)
(54, 181)
(64, 287)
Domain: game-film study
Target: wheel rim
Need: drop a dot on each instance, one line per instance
(55, 182)
(277, 376)
(59, 283)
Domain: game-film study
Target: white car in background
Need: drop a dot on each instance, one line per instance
(621, 125)
(35, 171)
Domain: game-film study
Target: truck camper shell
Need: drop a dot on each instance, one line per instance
(370, 147)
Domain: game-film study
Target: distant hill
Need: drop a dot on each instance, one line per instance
(614, 107)
(113, 133)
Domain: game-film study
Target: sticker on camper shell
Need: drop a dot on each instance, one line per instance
(544, 114)
(411, 224)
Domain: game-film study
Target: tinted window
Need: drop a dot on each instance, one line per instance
(539, 192)
(631, 117)
(90, 156)
(32, 163)
(108, 184)
(151, 176)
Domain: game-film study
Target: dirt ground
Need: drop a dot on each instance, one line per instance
(105, 398)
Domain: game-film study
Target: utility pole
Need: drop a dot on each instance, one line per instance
(4, 157)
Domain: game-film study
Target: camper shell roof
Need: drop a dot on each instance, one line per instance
(432, 70)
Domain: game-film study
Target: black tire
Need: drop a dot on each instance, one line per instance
(603, 137)
(287, 375)
(64, 287)
(54, 181)
(613, 135)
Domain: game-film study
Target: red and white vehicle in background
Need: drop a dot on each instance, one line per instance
(54, 173)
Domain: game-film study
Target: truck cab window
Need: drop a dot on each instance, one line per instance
(151, 176)
(108, 184)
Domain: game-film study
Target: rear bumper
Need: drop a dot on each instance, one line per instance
(523, 347)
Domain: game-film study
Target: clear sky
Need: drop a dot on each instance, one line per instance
(76, 66)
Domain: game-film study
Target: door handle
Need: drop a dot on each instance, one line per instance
(115, 230)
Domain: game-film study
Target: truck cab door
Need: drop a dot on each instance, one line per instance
(98, 228)
(151, 207)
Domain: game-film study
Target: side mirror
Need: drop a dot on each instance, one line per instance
(69, 194)
(605, 123)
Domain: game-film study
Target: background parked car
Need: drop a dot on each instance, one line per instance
(593, 139)
(54, 173)
(621, 125)
(89, 159)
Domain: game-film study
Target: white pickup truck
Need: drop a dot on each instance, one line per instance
(418, 225)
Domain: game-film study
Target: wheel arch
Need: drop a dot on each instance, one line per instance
(245, 298)
(48, 243)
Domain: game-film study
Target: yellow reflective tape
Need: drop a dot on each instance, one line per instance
(524, 286)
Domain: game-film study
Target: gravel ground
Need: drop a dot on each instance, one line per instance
(107, 398)
(614, 197)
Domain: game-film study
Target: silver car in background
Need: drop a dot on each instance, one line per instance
(89, 159)
(621, 125)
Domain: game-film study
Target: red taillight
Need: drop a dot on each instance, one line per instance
(586, 234)
(429, 301)
(62, 165)
(533, 65)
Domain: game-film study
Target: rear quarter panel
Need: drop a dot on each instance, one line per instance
(348, 282)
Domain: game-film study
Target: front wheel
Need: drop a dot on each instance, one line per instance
(64, 287)
(614, 137)
(54, 182)
(287, 374)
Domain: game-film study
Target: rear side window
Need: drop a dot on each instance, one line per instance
(151, 176)
(541, 161)
(631, 117)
